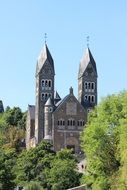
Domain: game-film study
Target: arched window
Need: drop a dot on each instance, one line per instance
(46, 83)
(46, 96)
(81, 123)
(86, 86)
(50, 83)
(61, 122)
(43, 83)
(89, 85)
(89, 98)
(93, 99)
(93, 85)
(43, 96)
(71, 122)
(50, 95)
(85, 98)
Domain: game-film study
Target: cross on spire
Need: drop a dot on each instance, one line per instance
(45, 37)
(88, 39)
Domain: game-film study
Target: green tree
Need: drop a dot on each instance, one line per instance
(33, 186)
(12, 128)
(12, 138)
(100, 141)
(32, 163)
(7, 161)
(63, 174)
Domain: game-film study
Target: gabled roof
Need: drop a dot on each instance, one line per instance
(31, 111)
(48, 102)
(43, 57)
(61, 102)
(87, 58)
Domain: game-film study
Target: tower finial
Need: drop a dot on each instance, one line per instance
(88, 39)
(45, 37)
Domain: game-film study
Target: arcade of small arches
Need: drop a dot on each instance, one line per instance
(89, 86)
(70, 122)
(46, 84)
(45, 96)
(89, 98)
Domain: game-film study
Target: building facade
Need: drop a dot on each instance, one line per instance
(57, 120)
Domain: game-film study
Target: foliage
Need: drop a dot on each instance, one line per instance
(12, 117)
(63, 174)
(33, 186)
(102, 142)
(31, 164)
(12, 128)
(7, 161)
(13, 138)
(50, 170)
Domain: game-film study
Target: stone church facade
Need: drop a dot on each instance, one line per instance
(57, 120)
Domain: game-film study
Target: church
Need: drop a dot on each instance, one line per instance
(60, 121)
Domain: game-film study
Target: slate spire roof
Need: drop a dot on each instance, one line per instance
(49, 102)
(56, 96)
(44, 56)
(86, 59)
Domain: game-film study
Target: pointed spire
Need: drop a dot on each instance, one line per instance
(43, 57)
(56, 96)
(49, 102)
(87, 58)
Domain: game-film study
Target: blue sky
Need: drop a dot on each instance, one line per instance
(67, 24)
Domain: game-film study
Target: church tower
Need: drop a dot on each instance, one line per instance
(87, 81)
(45, 73)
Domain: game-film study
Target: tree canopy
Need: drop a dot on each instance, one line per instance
(51, 170)
(104, 141)
(12, 127)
